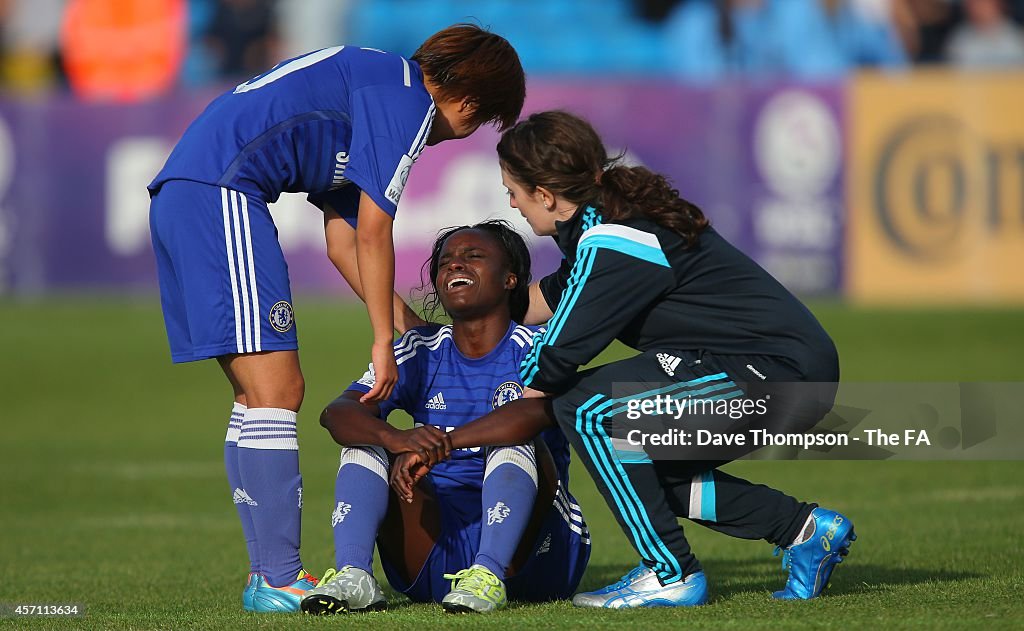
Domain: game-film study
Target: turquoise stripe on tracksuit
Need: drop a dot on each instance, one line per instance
(590, 218)
(531, 365)
(621, 489)
(707, 496)
(605, 457)
(528, 366)
(632, 457)
(625, 246)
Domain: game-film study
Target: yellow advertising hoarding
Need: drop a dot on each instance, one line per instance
(936, 188)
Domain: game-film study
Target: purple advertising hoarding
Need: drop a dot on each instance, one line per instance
(764, 162)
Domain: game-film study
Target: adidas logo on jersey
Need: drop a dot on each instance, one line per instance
(241, 497)
(668, 363)
(436, 402)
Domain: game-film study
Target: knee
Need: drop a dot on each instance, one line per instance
(369, 457)
(565, 411)
(573, 409)
(295, 390)
(522, 457)
(286, 393)
(325, 418)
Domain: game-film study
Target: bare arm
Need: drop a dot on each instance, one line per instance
(341, 249)
(538, 312)
(353, 423)
(514, 423)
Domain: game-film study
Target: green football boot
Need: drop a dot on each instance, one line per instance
(349, 590)
(474, 590)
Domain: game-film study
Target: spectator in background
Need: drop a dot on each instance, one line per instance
(807, 39)
(123, 50)
(242, 37)
(988, 39)
(654, 10)
(29, 53)
(925, 27)
(306, 25)
(709, 39)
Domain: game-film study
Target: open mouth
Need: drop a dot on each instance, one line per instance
(459, 281)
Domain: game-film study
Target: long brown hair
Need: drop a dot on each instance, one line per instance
(466, 62)
(563, 153)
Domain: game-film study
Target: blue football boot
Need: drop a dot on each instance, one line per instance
(269, 599)
(251, 584)
(810, 563)
(641, 588)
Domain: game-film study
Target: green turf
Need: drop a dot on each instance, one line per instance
(113, 493)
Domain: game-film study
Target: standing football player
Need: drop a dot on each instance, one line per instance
(344, 124)
(489, 523)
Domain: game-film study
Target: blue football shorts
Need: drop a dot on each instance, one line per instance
(223, 278)
(552, 572)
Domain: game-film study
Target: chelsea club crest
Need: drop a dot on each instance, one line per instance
(508, 391)
(281, 316)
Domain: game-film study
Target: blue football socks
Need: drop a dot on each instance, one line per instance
(509, 491)
(238, 495)
(361, 501)
(268, 460)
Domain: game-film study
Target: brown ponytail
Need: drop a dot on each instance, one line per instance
(563, 153)
(640, 192)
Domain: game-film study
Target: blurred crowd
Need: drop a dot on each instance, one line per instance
(99, 47)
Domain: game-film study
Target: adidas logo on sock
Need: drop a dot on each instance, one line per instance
(241, 497)
(436, 402)
(668, 363)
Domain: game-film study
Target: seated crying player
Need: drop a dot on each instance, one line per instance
(485, 520)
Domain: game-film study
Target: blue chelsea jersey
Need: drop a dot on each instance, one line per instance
(330, 123)
(438, 385)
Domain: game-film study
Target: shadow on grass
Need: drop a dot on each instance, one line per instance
(732, 577)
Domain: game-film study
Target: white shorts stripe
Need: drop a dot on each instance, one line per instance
(696, 493)
(252, 276)
(581, 530)
(231, 268)
(242, 283)
(566, 507)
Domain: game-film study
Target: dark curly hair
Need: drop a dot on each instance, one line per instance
(517, 261)
(563, 153)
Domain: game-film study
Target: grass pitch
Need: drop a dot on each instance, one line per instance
(113, 493)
